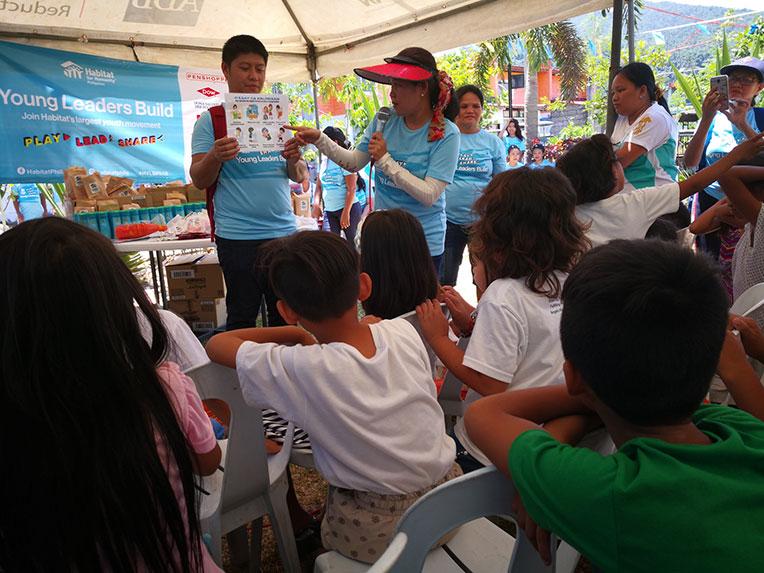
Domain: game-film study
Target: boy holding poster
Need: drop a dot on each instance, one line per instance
(247, 191)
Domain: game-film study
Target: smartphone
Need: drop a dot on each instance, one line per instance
(722, 85)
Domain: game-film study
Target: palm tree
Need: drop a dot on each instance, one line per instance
(566, 48)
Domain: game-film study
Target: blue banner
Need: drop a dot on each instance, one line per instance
(60, 109)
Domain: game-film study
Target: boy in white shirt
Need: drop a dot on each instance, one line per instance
(364, 392)
(613, 213)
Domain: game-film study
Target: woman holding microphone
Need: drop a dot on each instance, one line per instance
(416, 151)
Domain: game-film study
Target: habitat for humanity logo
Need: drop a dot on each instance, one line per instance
(93, 76)
(208, 92)
(167, 12)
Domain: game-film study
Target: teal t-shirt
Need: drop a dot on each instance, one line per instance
(722, 137)
(653, 506)
(544, 163)
(421, 158)
(333, 186)
(518, 166)
(252, 200)
(481, 156)
(510, 141)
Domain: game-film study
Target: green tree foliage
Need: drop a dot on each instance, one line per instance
(597, 70)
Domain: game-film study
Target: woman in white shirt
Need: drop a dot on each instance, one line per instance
(645, 133)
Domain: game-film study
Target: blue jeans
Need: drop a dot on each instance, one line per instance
(457, 237)
(355, 218)
(464, 458)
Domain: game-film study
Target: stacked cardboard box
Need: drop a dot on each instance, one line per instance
(197, 291)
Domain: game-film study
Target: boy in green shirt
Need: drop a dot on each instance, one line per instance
(644, 328)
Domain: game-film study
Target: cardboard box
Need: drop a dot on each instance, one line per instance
(301, 204)
(108, 205)
(200, 314)
(196, 195)
(194, 277)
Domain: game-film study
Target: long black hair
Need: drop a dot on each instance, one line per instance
(394, 253)
(518, 131)
(83, 412)
(640, 74)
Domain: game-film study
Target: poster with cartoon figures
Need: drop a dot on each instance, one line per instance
(257, 120)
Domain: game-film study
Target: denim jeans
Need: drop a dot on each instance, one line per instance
(355, 218)
(246, 282)
(457, 237)
(464, 458)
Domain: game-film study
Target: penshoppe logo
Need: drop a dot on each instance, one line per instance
(208, 92)
(166, 12)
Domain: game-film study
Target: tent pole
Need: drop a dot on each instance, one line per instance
(631, 26)
(615, 60)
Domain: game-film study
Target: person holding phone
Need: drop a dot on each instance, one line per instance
(723, 125)
(248, 195)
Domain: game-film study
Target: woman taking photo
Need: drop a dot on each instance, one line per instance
(415, 155)
(481, 156)
(722, 126)
(645, 133)
(337, 188)
(513, 135)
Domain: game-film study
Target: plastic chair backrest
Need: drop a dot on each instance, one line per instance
(411, 317)
(451, 391)
(749, 300)
(246, 465)
(477, 494)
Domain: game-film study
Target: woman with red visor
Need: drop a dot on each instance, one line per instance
(416, 152)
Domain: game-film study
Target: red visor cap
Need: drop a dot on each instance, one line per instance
(386, 73)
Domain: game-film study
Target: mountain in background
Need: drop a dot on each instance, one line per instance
(690, 47)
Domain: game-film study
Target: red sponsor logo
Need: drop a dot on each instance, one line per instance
(208, 92)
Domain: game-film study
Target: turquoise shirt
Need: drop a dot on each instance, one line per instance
(28, 196)
(544, 163)
(510, 141)
(252, 200)
(518, 166)
(421, 158)
(333, 186)
(481, 156)
(721, 138)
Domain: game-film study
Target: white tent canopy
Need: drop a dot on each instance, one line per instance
(330, 36)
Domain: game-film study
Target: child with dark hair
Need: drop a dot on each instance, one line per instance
(514, 157)
(364, 392)
(683, 492)
(538, 159)
(112, 433)
(394, 254)
(612, 213)
(526, 240)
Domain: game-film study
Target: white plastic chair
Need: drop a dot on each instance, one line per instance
(253, 483)
(749, 301)
(450, 396)
(479, 545)
(411, 317)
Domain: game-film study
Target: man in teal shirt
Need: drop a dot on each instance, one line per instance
(252, 199)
